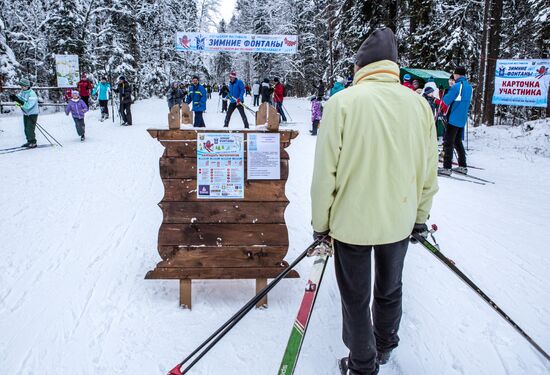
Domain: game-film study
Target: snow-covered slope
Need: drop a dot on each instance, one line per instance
(78, 232)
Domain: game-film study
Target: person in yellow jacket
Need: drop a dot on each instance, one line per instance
(374, 178)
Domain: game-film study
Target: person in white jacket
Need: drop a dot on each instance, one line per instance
(256, 93)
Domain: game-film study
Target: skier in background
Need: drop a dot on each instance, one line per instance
(124, 90)
(256, 93)
(316, 113)
(407, 81)
(102, 90)
(266, 91)
(236, 98)
(339, 85)
(224, 93)
(278, 97)
(458, 100)
(197, 96)
(174, 96)
(84, 87)
(393, 156)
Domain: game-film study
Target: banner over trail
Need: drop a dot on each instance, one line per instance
(204, 42)
(522, 82)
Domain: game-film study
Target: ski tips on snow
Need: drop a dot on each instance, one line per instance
(175, 371)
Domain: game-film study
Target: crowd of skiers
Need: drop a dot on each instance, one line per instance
(231, 95)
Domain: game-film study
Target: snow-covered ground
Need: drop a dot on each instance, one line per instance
(78, 232)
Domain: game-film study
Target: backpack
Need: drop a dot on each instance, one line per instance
(284, 91)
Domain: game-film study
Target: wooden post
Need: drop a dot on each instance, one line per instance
(273, 119)
(174, 118)
(185, 293)
(260, 284)
(186, 114)
(261, 115)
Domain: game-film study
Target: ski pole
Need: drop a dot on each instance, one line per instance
(45, 136)
(434, 249)
(229, 324)
(42, 129)
(287, 112)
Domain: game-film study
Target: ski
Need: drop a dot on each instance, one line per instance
(11, 148)
(461, 179)
(297, 335)
(434, 249)
(16, 149)
(455, 170)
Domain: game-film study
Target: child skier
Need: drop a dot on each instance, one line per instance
(77, 108)
(316, 113)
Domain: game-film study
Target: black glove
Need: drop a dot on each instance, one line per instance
(320, 235)
(421, 229)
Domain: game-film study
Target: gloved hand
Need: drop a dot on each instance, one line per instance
(421, 229)
(238, 101)
(319, 235)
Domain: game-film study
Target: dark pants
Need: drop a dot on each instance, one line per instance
(279, 106)
(314, 127)
(353, 274)
(126, 113)
(79, 125)
(256, 100)
(453, 139)
(232, 107)
(86, 100)
(104, 105)
(30, 125)
(224, 106)
(198, 122)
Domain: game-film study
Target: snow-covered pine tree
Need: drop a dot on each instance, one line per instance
(8, 61)
(222, 60)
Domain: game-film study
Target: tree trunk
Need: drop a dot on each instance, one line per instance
(493, 50)
(481, 74)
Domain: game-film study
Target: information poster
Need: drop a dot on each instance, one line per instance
(220, 165)
(264, 156)
(522, 82)
(66, 70)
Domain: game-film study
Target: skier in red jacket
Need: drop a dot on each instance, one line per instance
(85, 87)
(278, 95)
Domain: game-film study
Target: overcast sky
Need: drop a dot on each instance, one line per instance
(226, 10)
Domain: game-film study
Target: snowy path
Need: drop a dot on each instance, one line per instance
(78, 229)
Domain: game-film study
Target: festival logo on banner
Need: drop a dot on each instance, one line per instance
(522, 82)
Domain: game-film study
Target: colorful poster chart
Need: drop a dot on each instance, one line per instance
(263, 156)
(220, 166)
(522, 82)
(66, 70)
(205, 42)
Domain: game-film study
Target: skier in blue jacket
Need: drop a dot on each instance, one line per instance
(236, 98)
(28, 102)
(197, 96)
(458, 100)
(103, 90)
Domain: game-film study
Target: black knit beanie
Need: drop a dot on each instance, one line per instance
(380, 45)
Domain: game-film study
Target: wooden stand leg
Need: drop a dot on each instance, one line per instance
(185, 293)
(260, 284)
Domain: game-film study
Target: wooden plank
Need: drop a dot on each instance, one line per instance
(188, 149)
(234, 256)
(185, 293)
(187, 168)
(261, 284)
(219, 273)
(224, 212)
(254, 191)
(223, 234)
(191, 134)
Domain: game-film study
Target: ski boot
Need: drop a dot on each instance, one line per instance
(444, 171)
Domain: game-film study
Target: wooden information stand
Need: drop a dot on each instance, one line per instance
(218, 238)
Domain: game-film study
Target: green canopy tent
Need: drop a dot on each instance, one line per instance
(440, 77)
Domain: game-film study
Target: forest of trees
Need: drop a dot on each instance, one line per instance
(136, 38)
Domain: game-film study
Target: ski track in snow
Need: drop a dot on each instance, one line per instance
(79, 227)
